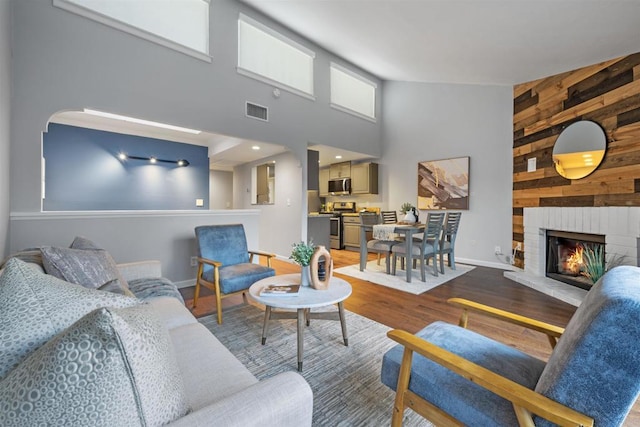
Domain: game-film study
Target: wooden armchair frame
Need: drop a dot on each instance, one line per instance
(525, 402)
(215, 285)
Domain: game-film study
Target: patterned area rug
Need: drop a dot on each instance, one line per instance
(345, 380)
(377, 274)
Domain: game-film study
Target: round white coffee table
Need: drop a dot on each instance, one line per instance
(308, 298)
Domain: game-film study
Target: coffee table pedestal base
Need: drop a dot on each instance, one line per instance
(304, 316)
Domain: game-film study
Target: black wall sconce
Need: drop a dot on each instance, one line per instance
(153, 160)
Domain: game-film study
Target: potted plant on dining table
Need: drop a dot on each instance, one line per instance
(410, 213)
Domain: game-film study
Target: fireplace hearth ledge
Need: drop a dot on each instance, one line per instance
(559, 290)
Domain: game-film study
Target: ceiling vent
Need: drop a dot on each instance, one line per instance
(256, 111)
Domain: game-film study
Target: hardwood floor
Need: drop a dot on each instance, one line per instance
(401, 310)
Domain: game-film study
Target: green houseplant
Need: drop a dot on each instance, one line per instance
(301, 254)
(595, 264)
(405, 207)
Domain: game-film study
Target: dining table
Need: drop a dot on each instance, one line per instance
(403, 229)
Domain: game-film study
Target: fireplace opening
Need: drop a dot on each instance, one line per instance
(571, 257)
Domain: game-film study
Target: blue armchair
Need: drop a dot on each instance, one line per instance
(225, 265)
(454, 376)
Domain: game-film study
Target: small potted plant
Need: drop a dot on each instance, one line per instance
(410, 213)
(406, 207)
(301, 254)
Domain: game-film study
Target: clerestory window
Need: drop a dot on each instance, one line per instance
(352, 93)
(180, 25)
(268, 56)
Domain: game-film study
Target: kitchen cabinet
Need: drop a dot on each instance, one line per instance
(351, 232)
(324, 182)
(340, 170)
(364, 178)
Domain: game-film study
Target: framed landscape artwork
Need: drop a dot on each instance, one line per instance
(444, 184)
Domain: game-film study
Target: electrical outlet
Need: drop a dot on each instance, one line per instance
(498, 250)
(194, 261)
(518, 246)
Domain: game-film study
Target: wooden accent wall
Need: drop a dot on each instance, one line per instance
(607, 93)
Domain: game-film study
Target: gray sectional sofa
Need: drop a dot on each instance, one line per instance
(160, 366)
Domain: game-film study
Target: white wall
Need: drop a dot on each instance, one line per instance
(5, 115)
(278, 222)
(220, 190)
(439, 121)
(132, 236)
(62, 61)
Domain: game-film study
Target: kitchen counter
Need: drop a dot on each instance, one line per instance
(318, 229)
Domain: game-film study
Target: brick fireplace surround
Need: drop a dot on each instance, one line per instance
(619, 225)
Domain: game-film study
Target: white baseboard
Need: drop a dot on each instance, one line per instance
(469, 261)
(491, 264)
(185, 283)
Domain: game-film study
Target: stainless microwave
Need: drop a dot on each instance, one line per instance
(340, 186)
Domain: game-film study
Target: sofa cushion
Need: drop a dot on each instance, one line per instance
(171, 312)
(111, 367)
(207, 378)
(85, 264)
(35, 306)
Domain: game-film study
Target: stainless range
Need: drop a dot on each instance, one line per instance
(336, 222)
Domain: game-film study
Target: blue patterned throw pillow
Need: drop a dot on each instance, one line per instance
(113, 367)
(35, 306)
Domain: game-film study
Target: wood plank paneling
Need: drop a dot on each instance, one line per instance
(607, 93)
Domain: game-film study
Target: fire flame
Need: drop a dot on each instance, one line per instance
(574, 261)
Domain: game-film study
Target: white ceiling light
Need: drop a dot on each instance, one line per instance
(140, 121)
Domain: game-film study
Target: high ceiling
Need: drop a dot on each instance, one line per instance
(501, 42)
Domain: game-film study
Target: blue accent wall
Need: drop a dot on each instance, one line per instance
(84, 173)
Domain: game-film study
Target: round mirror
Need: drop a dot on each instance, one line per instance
(579, 149)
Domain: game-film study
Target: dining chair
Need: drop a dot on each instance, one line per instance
(381, 247)
(448, 240)
(454, 376)
(225, 265)
(425, 249)
(388, 217)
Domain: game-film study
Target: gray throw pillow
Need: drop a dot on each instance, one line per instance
(85, 264)
(35, 306)
(113, 367)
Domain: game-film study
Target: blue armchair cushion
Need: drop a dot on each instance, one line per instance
(227, 244)
(464, 400)
(223, 243)
(238, 277)
(595, 368)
